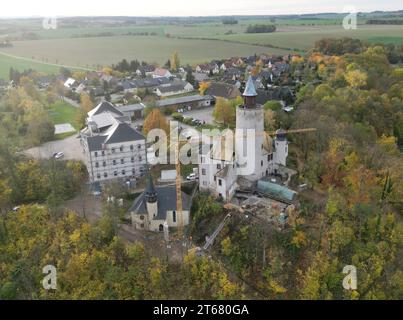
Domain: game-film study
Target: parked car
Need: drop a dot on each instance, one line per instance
(58, 155)
(191, 177)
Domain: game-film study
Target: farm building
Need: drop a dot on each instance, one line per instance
(196, 101)
(173, 88)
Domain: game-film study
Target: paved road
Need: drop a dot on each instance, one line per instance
(204, 114)
(71, 102)
(71, 147)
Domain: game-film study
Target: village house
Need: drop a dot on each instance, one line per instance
(208, 68)
(223, 90)
(133, 111)
(148, 83)
(145, 71)
(161, 73)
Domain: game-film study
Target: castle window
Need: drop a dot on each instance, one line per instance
(123, 172)
(261, 163)
(174, 216)
(141, 217)
(131, 147)
(203, 172)
(113, 150)
(103, 153)
(218, 166)
(106, 175)
(98, 176)
(121, 149)
(96, 165)
(115, 173)
(96, 154)
(104, 164)
(219, 182)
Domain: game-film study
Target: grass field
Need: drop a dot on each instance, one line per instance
(306, 39)
(62, 112)
(95, 52)
(7, 62)
(195, 43)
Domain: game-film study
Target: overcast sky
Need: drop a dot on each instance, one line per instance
(18, 8)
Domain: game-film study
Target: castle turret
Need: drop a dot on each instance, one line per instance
(281, 148)
(151, 198)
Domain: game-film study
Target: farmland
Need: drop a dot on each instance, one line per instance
(99, 51)
(7, 62)
(78, 43)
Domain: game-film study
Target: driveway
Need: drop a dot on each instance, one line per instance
(203, 114)
(70, 146)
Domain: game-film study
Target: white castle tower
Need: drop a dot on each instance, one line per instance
(251, 157)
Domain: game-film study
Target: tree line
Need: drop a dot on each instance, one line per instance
(261, 28)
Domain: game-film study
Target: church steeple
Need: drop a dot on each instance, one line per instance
(151, 193)
(250, 94)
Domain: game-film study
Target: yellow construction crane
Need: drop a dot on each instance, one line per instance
(280, 131)
(178, 182)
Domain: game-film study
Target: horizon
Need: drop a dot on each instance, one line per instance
(20, 9)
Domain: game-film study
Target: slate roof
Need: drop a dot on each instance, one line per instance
(166, 201)
(149, 82)
(173, 87)
(132, 107)
(250, 90)
(104, 106)
(181, 100)
(224, 90)
(118, 133)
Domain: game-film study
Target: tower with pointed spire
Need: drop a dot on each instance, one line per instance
(151, 199)
(251, 157)
(250, 94)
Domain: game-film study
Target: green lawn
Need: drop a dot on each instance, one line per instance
(62, 112)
